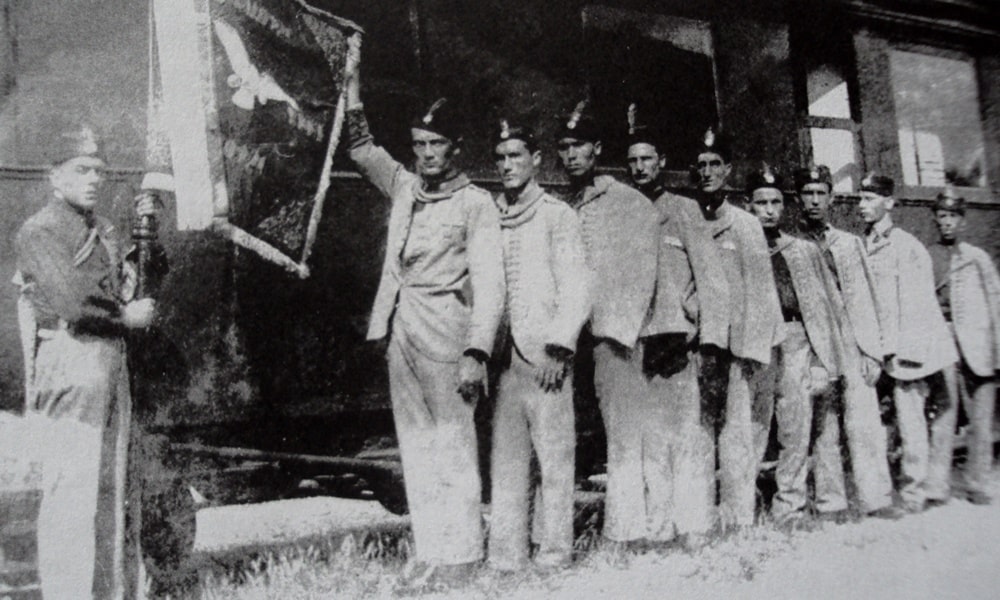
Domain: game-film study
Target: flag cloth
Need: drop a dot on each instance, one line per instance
(248, 95)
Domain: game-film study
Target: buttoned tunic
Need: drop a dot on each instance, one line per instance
(915, 335)
(441, 293)
(620, 238)
(70, 268)
(547, 305)
(754, 329)
(969, 286)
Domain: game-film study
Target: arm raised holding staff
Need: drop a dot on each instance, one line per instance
(439, 303)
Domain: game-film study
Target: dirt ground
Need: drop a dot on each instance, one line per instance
(952, 551)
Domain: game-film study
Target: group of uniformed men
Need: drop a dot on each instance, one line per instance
(705, 323)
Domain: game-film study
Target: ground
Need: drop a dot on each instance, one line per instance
(951, 551)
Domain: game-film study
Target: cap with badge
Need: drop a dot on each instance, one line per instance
(877, 184)
(512, 130)
(441, 118)
(580, 124)
(638, 131)
(814, 174)
(716, 142)
(765, 177)
(75, 141)
(950, 201)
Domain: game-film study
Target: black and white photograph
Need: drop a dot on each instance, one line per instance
(488, 299)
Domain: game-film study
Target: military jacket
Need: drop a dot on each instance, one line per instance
(548, 283)
(442, 284)
(974, 294)
(755, 313)
(913, 330)
(692, 295)
(70, 269)
(856, 287)
(822, 310)
(620, 239)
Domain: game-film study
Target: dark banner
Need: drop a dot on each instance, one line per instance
(253, 125)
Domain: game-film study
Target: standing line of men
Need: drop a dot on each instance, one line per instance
(706, 322)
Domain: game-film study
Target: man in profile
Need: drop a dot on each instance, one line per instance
(916, 340)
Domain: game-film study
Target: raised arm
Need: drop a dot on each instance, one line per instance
(372, 161)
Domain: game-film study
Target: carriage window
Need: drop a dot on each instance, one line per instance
(827, 89)
(938, 120)
(663, 63)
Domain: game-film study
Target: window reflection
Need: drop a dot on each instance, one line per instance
(938, 120)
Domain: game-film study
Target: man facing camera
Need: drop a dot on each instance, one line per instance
(620, 240)
(439, 301)
(754, 329)
(968, 292)
(547, 305)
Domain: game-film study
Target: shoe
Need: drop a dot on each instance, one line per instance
(915, 508)
(416, 576)
(978, 498)
(890, 513)
(935, 502)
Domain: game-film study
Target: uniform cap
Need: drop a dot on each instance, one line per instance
(814, 174)
(511, 130)
(949, 200)
(440, 118)
(765, 177)
(580, 124)
(640, 132)
(716, 142)
(75, 141)
(878, 184)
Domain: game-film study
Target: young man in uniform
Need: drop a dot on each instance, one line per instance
(547, 305)
(754, 328)
(968, 291)
(916, 340)
(439, 301)
(72, 272)
(620, 240)
(810, 359)
(690, 308)
(845, 255)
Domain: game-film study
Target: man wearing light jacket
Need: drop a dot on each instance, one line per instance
(916, 340)
(547, 305)
(968, 291)
(619, 228)
(440, 301)
(845, 255)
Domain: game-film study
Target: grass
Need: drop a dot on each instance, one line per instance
(370, 567)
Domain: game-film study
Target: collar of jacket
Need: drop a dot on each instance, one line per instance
(67, 213)
(446, 190)
(723, 218)
(593, 191)
(814, 233)
(881, 229)
(781, 241)
(512, 215)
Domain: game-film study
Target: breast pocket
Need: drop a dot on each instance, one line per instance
(451, 234)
